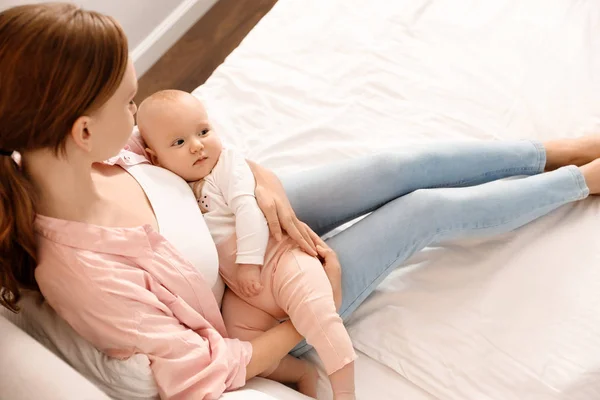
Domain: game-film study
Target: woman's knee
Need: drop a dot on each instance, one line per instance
(434, 205)
(427, 201)
(388, 165)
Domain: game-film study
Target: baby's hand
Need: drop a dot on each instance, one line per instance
(248, 279)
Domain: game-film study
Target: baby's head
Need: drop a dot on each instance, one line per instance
(175, 127)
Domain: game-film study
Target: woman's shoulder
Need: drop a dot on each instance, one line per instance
(82, 286)
(75, 253)
(63, 265)
(78, 274)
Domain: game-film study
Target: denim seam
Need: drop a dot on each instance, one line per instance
(540, 165)
(478, 177)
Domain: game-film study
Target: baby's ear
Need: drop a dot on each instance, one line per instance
(153, 157)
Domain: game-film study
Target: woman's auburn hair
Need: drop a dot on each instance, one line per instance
(58, 62)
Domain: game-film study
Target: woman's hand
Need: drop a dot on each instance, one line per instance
(331, 265)
(276, 207)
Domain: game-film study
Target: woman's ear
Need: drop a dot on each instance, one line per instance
(153, 156)
(80, 132)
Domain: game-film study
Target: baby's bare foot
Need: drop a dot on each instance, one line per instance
(307, 385)
(577, 151)
(344, 396)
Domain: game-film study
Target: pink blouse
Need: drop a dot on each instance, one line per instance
(128, 291)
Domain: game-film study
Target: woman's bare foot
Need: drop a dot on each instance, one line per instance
(577, 151)
(591, 173)
(307, 384)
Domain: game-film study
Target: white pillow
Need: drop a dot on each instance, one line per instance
(29, 369)
(129, 379)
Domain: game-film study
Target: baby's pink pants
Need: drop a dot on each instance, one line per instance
(294, 285)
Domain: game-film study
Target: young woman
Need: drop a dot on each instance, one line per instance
(95, 238)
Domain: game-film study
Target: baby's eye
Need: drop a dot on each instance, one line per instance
(204, 132)
(178, 142)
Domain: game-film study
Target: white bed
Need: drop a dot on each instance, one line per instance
(516, 317)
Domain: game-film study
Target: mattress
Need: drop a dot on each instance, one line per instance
(513, 317)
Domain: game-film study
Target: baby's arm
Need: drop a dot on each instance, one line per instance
(237, 184)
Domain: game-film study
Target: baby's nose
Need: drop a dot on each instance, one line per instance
(197, 145)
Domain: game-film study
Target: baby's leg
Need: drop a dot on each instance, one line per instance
(303, 291)
(244, 321)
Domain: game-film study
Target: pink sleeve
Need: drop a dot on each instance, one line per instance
(121, 315)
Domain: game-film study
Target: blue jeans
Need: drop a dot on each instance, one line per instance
(421, 197)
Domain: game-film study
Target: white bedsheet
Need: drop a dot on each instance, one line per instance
(516, 317)
(374, 381)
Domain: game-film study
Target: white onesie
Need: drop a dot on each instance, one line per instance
(229, 206)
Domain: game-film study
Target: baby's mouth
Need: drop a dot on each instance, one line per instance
(200, 160)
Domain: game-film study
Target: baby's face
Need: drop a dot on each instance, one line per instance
(180, 138)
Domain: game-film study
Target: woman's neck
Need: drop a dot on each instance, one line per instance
(65, 189)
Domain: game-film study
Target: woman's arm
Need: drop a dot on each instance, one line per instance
(130, 312)
(270, 347)
(277, 209)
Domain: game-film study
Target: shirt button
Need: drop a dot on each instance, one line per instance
(127, 158)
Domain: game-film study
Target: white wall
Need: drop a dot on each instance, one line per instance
(152, 26)
(138, 17)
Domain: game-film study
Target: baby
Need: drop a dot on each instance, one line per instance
(268, 280)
